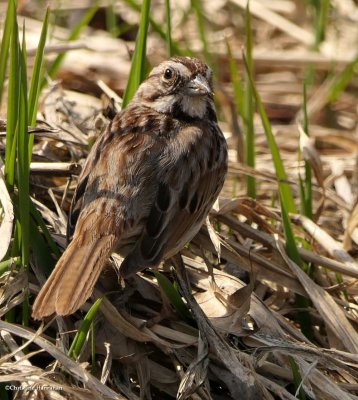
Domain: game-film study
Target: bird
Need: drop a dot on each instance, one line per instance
(147, 184)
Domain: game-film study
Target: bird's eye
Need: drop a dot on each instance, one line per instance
(168, 73)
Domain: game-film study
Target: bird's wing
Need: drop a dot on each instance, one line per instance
(108, 201)
(186, 191)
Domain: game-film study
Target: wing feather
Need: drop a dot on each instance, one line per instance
(181, 204)
(106, 203)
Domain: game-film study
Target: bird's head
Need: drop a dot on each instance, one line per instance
(180, 86)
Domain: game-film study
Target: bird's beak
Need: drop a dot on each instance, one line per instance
(199, 86)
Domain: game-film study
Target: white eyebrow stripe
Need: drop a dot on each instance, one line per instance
(181, 68)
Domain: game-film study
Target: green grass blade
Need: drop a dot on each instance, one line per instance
(306, 190)
(23, 171)
(80, 338)
(286, 198)
(301, 302)
(37, 217)
(236, 82)
(5, 43)
(174, 297)
(157, 28)
(111, 24)
(305, 114)
(137, 72)
(37, 79)
(308, 198)
(297, 378)
(37, 72)
(13, 101)
(4, 265)
(15, 253)
(85, 20)
(41, 251)
(342, 81)
(321, 21)
(250, 148)
(23, 164)
(291, 247)
(169, 29)
(93, 349)
(198, 9)
(16, 245)
(285, 188)
(239, 91)
(11, 152)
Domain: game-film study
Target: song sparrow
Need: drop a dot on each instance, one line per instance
(147, 185)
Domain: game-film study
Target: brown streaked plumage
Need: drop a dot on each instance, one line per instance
(147, 184)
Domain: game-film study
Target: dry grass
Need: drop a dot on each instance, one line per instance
(242, 340)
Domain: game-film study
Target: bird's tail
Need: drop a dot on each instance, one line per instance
(75, 274)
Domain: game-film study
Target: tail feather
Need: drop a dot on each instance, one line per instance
(71, 282)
